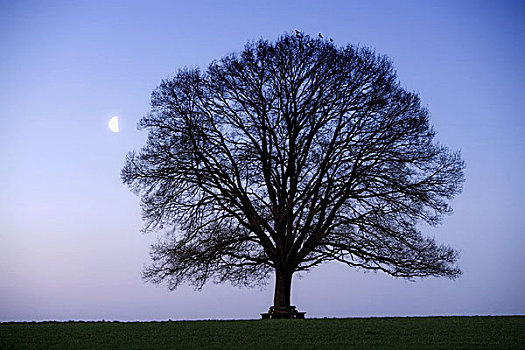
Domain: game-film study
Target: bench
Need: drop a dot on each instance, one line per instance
(282, 312)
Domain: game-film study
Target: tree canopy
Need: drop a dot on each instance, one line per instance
(287, 155)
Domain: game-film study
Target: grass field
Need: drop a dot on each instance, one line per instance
(504, 332)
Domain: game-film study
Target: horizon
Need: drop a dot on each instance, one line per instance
(255, 319)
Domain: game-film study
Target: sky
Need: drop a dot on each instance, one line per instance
(70, 240)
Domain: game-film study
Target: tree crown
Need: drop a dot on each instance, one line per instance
(286, 155)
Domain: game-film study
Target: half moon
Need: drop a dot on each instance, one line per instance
(113, 124)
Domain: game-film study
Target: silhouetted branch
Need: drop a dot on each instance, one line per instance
(287, 155)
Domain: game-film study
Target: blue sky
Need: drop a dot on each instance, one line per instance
(70, 246)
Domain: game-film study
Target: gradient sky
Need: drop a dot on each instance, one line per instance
(70, 246)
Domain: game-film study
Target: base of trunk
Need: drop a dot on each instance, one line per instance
(278, 312)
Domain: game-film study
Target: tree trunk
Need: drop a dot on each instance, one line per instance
(282, 307)
(283, 289)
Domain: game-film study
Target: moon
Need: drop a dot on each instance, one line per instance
(113, 124)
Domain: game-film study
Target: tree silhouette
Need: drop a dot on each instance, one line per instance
(287, 155)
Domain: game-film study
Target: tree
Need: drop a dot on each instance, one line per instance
(287, 155)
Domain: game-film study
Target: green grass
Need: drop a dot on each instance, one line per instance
(504, 332)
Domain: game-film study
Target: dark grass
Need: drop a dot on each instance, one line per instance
(487, 332)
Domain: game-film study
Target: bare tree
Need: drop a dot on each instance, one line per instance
(287, 155)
